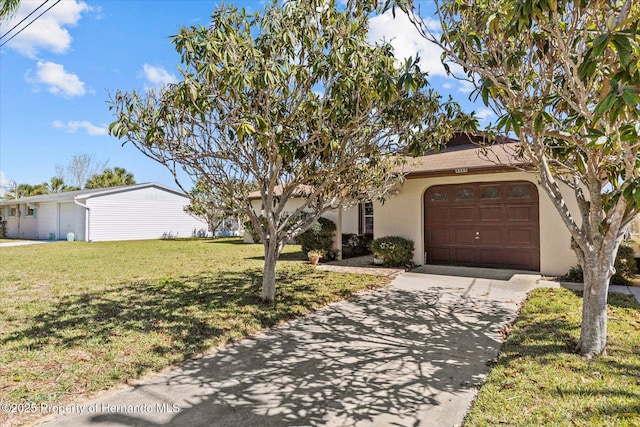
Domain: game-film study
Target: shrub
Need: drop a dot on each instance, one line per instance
(625, 265)
(354, 245)
(3, 229)
(249, 228)
(393, 250)
(319, 237)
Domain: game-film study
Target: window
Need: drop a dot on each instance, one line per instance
(464, 194)
(31, 211)
(439, 196)
(365, 224)
(13, 211)
(490, 193)
(519, 192)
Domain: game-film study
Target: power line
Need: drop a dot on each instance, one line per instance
(24, 19)
(32, 21)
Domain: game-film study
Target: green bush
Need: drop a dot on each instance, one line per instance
(319, 237)
(625, 265)
(354, 245)
(3, 229)
(393, 250)
(249, 228)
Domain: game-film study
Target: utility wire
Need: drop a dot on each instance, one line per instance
(32, 21)
(24, 19)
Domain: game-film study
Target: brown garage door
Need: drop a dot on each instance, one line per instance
(492, 224)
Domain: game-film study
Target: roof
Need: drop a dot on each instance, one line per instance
(86, 194)
(468, 158)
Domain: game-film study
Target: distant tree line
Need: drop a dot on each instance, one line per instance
(81, 172)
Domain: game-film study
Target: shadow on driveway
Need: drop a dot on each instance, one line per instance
(411, 354)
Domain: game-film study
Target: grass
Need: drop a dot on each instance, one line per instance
(77, 318)
(539, 381)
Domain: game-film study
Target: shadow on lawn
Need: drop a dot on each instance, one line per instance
(380, 359)
(186, 309)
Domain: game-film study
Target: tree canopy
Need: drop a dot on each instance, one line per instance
(293, 100)
(564, 77)
(110, 178)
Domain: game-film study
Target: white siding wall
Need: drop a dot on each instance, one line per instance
(48, 220)
(67, 222)
(147, 213)
(19, 226)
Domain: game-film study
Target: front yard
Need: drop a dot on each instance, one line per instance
(77, 318)
(539, 381)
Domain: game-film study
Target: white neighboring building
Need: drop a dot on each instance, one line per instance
(134, 212)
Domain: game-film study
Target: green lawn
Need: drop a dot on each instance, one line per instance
(538, 381)
(76, 318)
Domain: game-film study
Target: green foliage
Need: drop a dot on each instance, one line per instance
(319, 236)
(249, 228)
(115, 177)
(393, 250)
(625, 265)
(294, 99)
(3, 229)
(354, 245)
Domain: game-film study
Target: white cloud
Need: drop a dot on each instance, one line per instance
(406, 40)
(59, 81)
(157, 76)
(49, 31)
(74, 126)
(465, 86)
(484, 114)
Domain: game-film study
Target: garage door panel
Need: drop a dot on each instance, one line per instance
(440, 255)
(464, 236)
(493, 224)
(490, 213)
(488, 256)
(463, 214)
(465, 256)
(520, 258)
(490, 236)
(521, 236)
(525, 213)
(439, 214)
(440, 236)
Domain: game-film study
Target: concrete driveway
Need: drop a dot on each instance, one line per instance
(411, 354)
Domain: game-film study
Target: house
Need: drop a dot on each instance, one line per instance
(134, 212)
(470, 207)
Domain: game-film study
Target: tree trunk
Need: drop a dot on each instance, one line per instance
(272, 250)
(593, 334)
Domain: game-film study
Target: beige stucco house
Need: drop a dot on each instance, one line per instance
(470, 207)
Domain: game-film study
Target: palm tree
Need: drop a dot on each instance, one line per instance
(8, 8)
(111, 178)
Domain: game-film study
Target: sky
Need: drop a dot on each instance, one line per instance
(57, 74)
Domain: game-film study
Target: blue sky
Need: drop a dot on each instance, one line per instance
(56, 76)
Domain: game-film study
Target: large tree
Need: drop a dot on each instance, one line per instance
(79, 169)
(293, 99)
(564, 78)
